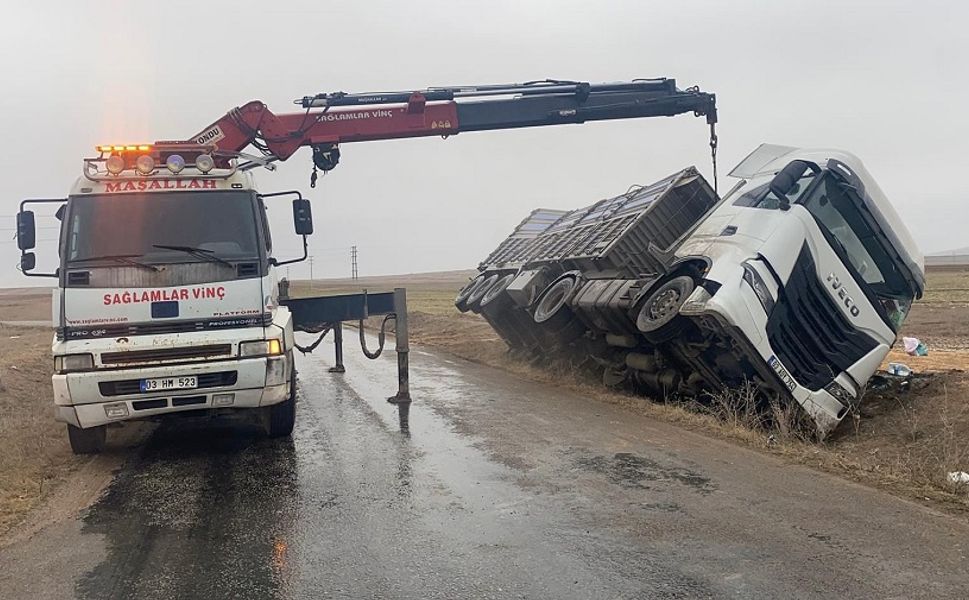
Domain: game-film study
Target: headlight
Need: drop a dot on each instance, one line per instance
(73, 362)
(261, 348)
(840, 394)
(753, 278)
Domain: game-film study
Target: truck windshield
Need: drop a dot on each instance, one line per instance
(866, 252)
(155, 228)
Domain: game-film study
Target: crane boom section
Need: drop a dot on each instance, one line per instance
(336, 118)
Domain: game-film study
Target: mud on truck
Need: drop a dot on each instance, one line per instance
(794, 283)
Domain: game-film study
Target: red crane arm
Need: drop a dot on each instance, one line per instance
(345, 117)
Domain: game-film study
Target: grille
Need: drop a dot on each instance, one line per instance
(129, 329)
(181, 353)
(809, 333)
(133, 386)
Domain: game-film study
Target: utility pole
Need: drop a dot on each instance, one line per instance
(353, 262)
(311, 268)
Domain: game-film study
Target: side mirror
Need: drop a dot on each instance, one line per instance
(783, 183)
(26, 230)
(27, 261)
(302, 216)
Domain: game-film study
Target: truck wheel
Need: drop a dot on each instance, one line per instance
(282, 416)
(87, 441)
(657, 316)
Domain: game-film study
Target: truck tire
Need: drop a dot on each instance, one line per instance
(282, 416)
(87, 441)
(657, 316)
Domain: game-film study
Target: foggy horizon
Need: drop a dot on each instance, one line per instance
(882, 80)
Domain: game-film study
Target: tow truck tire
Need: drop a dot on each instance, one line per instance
(657, 319)
(282, 416)
(87, 441)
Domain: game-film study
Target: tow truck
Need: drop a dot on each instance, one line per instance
(168, 301)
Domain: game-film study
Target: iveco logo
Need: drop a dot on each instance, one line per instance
(843, 294)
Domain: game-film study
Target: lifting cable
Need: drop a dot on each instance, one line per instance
(713, 154)
(381, 337)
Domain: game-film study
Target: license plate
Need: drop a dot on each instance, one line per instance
(161, 384)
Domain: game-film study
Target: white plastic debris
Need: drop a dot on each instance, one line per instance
(914, 347)
(899, 369)
(959, 477)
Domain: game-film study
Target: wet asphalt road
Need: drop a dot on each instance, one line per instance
(499, 488)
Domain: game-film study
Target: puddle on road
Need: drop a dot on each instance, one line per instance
(632, 471)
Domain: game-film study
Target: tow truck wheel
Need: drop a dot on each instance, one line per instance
(657, 317)
(87, 441)
(282, 416)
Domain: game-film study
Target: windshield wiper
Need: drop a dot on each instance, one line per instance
(202, 253)
(125, 259)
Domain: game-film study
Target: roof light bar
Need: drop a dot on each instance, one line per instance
(123, 148)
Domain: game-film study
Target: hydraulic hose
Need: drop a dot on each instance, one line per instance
(381, 337)
(319, 340)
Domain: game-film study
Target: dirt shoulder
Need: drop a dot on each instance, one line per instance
(41, 480)
(34, 454)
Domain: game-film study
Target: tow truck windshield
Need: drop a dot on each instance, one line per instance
(862, 247)
(164, 228)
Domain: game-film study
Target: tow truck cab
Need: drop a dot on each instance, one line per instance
(167, 299)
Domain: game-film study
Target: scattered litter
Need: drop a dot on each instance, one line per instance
(915, 347)
(959, 477)
(14, 367)
(899, 370)
(15, 337)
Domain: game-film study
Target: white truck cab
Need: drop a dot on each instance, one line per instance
(167, 296)
(811, 270)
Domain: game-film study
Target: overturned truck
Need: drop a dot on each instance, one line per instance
(796, 281)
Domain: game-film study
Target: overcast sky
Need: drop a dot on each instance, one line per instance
(886, 80)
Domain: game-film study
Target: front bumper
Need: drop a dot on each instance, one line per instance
(739, 315)
(87, 399)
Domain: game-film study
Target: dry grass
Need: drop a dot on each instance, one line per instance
(34, 454)
(25, 304)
